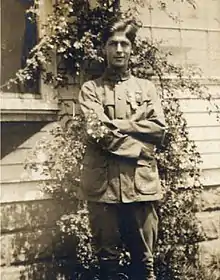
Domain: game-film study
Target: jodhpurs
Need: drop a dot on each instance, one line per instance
(134, 224)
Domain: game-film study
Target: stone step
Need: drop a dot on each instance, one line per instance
(210, 223)
(54, 270)
(29, 215)
(209, 253)
(209, 199)
(32, 246)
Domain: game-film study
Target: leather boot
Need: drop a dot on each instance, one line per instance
(151, 276)
(142, 274)
(109, 270)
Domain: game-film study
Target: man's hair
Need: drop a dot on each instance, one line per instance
(130, 27)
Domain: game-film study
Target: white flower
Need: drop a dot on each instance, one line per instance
(89, 131)
(77, 45)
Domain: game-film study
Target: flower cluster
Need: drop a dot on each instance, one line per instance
(77, 224)
(94, 127)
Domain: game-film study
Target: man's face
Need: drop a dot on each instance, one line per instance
(118, 50)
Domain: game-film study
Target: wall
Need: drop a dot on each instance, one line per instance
(32, 246)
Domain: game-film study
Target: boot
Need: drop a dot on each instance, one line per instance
(142, 274)
(109, 270)
(151, 276)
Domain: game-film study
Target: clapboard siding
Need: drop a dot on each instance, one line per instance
(202, 119)
(204, 129)
(198, 105)
(19, 155)
(22, 155)
(22, 190)
(208, 146)
(192, 38)
(29, 215)
(211, 161)
(204, 133)
(40, 244)
(210, 177)
(15, 171)
(57, 269)
(12, 165)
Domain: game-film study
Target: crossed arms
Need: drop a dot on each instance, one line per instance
(128, 137)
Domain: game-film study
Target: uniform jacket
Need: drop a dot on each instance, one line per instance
(122, 167)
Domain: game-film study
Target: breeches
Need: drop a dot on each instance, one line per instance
(134, 224)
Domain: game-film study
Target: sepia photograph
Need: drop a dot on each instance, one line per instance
(110, 140)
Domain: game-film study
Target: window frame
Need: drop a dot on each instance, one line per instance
(42, 106)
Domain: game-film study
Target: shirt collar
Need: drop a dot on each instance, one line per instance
(112, 75)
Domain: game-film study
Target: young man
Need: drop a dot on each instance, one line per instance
(120, 178)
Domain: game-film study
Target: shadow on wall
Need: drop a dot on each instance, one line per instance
(57, 270)
(14, 134)
(50, 257)
(51, 270)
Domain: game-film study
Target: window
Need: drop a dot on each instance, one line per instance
(33, 100)
(18, 37)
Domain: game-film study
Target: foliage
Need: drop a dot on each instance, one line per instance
(75, 34)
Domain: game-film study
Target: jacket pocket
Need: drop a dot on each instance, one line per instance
(147, 178)
(94, 179)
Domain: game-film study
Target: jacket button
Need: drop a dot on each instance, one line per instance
(119, 97)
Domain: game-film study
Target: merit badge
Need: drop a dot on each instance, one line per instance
(132, 100)
(138, 97)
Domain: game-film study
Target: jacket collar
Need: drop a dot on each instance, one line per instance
(112, 75)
